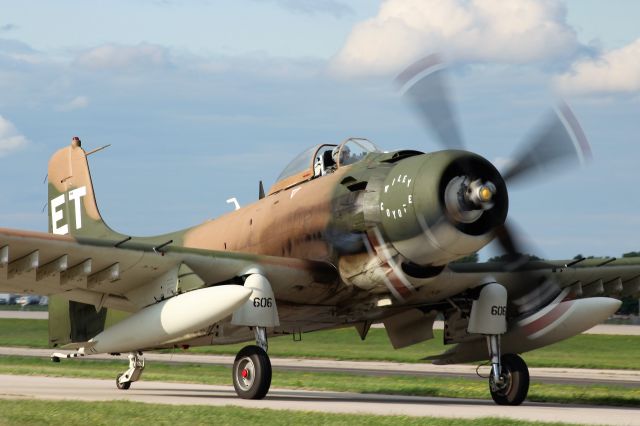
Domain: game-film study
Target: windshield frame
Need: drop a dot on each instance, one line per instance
(362, 143)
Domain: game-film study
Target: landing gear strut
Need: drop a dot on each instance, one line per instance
(252, 368)
(136, 366)
(509, 379)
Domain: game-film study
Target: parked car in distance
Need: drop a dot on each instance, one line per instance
(8, 298)
(28, 299)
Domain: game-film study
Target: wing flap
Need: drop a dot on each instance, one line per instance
(128, 277)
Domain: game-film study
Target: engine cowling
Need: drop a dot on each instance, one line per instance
(437, 207)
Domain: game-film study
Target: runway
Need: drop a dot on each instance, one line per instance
(14, 387)
(20, 387)
(566, 376)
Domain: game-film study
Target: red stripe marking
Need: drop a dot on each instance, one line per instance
(546, 319)
(397, 283)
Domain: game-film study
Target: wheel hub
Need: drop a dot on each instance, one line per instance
(504, 384)
(245, 373)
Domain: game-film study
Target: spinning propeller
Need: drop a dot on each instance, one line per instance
(557, 141)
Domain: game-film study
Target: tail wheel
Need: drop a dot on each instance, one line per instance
(252, 373)
(515, 384)
(120, 385)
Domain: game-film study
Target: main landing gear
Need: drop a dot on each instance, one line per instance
(252, 368)
(509, 378)
(136, 366)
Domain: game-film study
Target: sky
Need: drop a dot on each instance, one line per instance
(201, 99)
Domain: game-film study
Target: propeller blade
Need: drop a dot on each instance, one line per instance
(515, 255)
(532, 287)
(424, 84)
(506, 240)
(559, 140)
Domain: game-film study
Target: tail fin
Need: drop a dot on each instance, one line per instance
(72, 202)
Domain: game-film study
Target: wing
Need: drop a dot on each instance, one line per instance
(585, 278)
(104, 274)
(548, 302)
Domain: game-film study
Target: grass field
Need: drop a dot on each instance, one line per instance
(35, 412)
(583, 351)
(341, 382)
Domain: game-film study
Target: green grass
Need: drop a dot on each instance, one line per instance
(24, 332)
(340, 382)
(582, 351)
(35, 412)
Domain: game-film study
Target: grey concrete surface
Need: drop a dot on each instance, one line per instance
(41, 315)
(14, 387)
(626, 330)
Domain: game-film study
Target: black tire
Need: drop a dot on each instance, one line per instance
(252, 373)
(516, 386)
(122, 386)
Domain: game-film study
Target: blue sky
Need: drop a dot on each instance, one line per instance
(201, 99)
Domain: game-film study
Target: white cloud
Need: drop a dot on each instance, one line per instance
(79, 102)
(10, 139)
(14, 52)
(115, 56)
(613, 72)
(476, 30)
(8, 27)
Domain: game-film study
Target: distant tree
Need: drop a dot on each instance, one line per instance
(505, 257)
(472, 258)
(632, 254)
(579, 256)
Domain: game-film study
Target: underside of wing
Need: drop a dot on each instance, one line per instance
(102, 274)
(547, 302)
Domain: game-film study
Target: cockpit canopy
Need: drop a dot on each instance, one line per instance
(321, 160)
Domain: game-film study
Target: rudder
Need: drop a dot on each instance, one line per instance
(72, 204)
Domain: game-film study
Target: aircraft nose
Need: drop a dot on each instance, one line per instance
(436, 207)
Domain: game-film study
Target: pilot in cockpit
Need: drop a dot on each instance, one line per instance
(345, 155)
